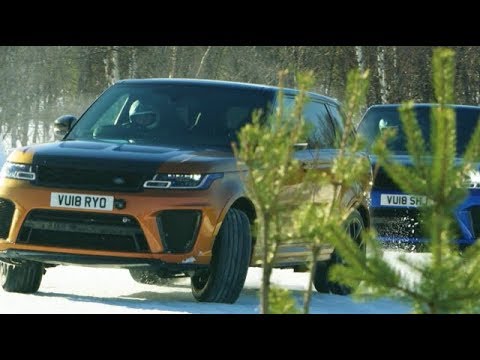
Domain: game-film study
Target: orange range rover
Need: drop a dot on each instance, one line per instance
(146, 180)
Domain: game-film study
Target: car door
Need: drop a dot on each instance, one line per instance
(315, 152)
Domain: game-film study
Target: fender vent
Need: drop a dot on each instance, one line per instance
(6, 214)
(178, 229)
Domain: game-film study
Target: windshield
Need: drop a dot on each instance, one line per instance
(159, 114)
(377, 119)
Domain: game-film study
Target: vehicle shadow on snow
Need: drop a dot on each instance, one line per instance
(169, 301)
(182, 301)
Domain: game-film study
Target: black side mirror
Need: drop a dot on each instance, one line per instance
(62, 125)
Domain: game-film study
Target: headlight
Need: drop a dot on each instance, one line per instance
(473, 180)
(17, 171)
(182, 181)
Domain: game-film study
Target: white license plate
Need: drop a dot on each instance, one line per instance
(402, 200)
(81, 201)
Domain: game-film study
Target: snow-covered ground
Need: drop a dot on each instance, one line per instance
(72, 289)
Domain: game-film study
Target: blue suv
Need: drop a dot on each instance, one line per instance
(395, 215)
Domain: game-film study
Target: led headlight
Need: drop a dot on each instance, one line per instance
(182, 181)
(17, 171)
(473, 180)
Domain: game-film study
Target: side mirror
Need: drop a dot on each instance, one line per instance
(62, 125)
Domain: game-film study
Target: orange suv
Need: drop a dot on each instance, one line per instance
(146, 180)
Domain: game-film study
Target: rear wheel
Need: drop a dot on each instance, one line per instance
(354, 226)
(224, 279)
(22, 278)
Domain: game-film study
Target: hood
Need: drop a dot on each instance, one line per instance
(406, 160)
(401, 159)
(145, 159)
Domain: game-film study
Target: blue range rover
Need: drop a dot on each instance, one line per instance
(395, 215)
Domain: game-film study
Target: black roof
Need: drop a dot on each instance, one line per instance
(424, 106)
(221, 83)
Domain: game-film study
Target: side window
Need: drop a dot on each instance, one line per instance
(339, 121)
(320, 126)
(336, 117)
(288, 107)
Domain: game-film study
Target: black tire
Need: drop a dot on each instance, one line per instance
(224, 280)
(149, 277)
(354, 225)
(24, 278)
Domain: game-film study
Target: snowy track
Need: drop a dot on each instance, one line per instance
(71, 289)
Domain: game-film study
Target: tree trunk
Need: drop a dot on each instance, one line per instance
(133, 66)
(13, 137)
(267, 270)
(307, 298)
(24, 133)
(111, 62)
(46, 132)
(330, 73)
(35, 131)
(360, 58)
(220, 58)
(200, 66)
(173, 60)
(382, 74)
(395, 94)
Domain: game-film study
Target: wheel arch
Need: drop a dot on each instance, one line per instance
(246, 205)
(362, 209)
(242, 203)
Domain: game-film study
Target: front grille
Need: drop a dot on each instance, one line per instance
(81, 230)
(178, 229)
(93, 179)
(383, 181)
(6, 214)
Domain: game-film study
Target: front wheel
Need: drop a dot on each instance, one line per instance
(22, 278)
(354, 227)
(224, 279)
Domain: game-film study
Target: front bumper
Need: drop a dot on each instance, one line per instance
(397, 226)
(143, 206)
(55, 258)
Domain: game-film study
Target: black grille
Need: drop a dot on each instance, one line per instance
(383, 181)
(93, 179)
(80, 230)
(6, 213)
(178, 229)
